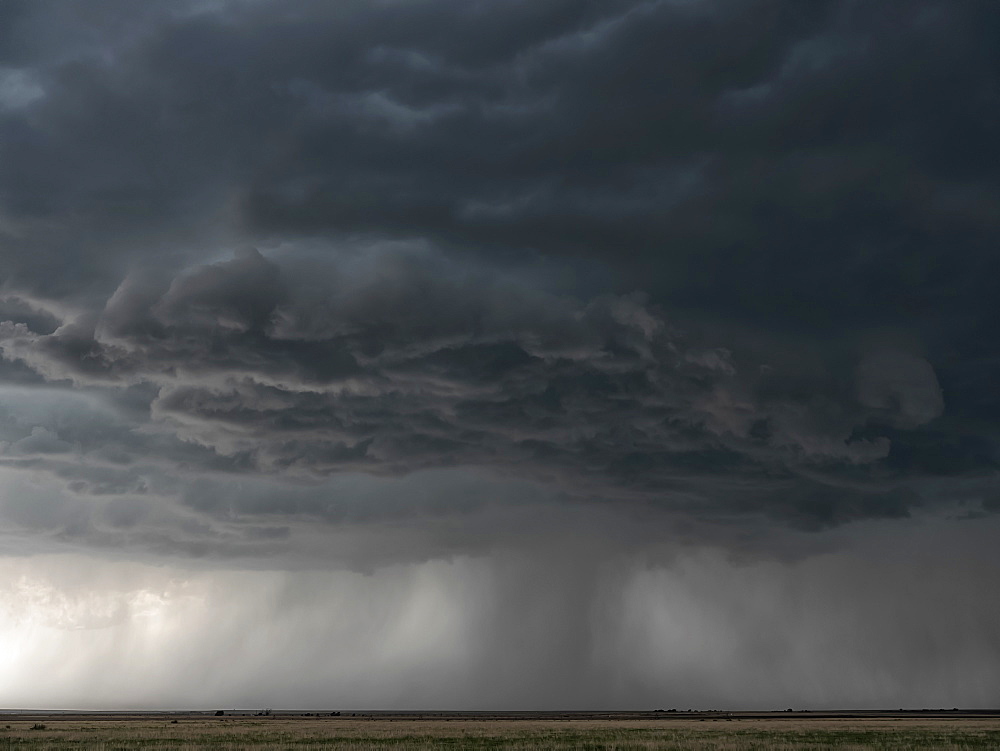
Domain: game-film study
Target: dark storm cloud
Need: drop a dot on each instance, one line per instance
(625, 352)
(731, 259)
(401, 360)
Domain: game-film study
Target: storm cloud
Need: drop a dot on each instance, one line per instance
(615, 295)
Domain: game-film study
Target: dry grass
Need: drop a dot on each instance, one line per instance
(408, 734)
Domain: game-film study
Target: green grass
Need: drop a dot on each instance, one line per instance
(501, 736)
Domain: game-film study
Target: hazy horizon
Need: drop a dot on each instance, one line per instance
(499, 355)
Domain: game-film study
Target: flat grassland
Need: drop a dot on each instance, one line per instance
(592, 731)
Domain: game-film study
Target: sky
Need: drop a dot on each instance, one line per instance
(439, 354)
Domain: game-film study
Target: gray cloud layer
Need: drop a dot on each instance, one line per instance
(625, 249)
(397, 360)
(356, 284)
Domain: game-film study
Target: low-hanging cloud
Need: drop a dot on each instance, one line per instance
(402, 360)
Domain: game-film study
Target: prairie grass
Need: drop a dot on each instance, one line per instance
(270, 734)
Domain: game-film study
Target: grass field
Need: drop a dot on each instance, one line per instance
(402, 733)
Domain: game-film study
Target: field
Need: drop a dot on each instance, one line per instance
(405, 732)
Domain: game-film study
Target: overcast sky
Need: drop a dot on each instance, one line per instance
(509, 354)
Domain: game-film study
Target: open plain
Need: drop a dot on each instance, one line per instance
(615, 731)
